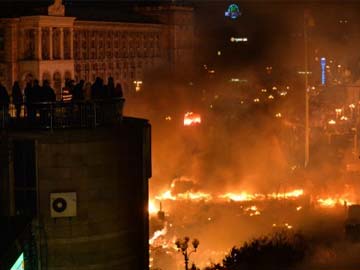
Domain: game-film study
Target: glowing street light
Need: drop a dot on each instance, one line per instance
(183, 246)
(138, 85)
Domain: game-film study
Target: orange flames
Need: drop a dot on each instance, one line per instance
(194, 196)
(157, 234)
(332, 202)
(244, 196)
(251, 205)
(191, 119)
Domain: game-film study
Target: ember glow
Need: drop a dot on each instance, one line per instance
(191, 119)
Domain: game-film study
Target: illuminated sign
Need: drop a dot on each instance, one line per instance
(19, 264)
(233, 11)
(323, 70)
(238, 39)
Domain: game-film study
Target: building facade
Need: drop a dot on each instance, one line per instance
(56, 47)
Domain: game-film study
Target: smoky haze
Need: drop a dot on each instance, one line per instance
(241, 145)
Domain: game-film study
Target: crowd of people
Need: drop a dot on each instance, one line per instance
(34, 93)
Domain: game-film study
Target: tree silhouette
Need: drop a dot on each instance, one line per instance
(281, 250)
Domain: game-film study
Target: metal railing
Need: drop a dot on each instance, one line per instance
(58, 114)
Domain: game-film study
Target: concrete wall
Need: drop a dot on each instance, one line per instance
(106, 172)
(109, 170)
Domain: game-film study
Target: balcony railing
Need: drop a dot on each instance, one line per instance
(60, 115)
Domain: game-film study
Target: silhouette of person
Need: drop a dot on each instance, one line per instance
(47, 93)
(29, 100)
(97, 89)
(17, 98)
(36, 97)
(118, 91)
(4, 102)
(87, 90)
(110, 88)
(78, 94)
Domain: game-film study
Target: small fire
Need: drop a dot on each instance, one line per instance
(285, 225)
(241, 197)
(194, 196)
(288, 195)
(152, 208)
(332, 202)
(166, 196)
(327, 201)
(254, 211)
(157, 234)
(244, 196)
(191, 119)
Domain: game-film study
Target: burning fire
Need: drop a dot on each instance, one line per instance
(241, 205)
(152, 207)
(157, 234)
(332, 202)
(241, 197)
(194, 196)
(244, 196)
(191, 119)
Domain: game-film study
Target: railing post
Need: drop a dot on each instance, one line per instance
(51, 117)
(95, 114)
(3, 116)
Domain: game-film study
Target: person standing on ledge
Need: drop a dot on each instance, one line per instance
(17, 98)
(4, 102)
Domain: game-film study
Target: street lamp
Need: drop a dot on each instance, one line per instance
(138, 85)
(183, 246)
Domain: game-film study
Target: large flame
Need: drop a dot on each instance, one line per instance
(254, 207)
(245, 196)
(157, 234)
(152, 207)
(191, 119)
(195, 196)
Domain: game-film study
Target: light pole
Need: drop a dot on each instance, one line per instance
(183, 245)
(307, 22)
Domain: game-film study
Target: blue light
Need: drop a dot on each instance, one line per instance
(233, 11)
(323, 70)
